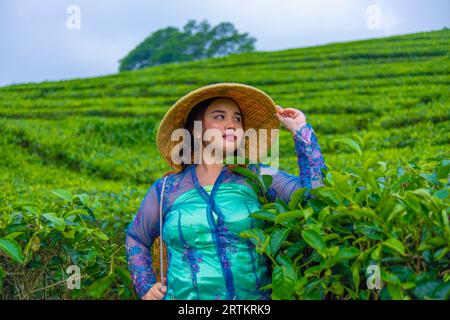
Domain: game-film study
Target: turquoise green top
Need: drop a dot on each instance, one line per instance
(187, 226)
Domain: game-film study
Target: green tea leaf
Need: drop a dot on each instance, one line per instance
(389, 277)
(101, 235)
(395, 245)
(63, 194)
(350, 143)
(426, 289)
(56, 222)
(277, 238)
(376, 253)
(443, 170)
(283, 279)
(314, 239)
(256, 235)
(97, 288)
(267, 180)
(395, 291)
(69, 234)
(263, 215)
(12, 249)
(289, 215)
(296, 198)
(442, 292)
(346, 254)
(356, 267)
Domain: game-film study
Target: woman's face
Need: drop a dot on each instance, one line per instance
(224, 115)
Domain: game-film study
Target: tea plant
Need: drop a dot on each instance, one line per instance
(41, 245)
(366, 221)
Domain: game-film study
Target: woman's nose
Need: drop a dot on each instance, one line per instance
(230, 125)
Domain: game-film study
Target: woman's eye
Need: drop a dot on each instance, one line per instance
(221, 116)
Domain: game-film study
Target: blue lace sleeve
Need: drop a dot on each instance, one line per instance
(310, 162)
(140, 235)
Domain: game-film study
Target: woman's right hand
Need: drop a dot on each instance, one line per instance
(156, 292)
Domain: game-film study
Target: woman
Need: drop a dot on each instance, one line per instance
(206, 205)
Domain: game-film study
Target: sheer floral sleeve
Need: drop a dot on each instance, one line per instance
(310, 162)
(140, 235)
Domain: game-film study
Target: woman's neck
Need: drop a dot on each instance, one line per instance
(207, 174)
(209, 169)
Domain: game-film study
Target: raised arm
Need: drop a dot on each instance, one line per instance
(309, 158)
(140, 235)
(310, 162)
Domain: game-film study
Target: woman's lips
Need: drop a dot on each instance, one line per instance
(229, 137)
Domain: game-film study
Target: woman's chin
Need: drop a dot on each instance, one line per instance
(229, 145)
(227, 150)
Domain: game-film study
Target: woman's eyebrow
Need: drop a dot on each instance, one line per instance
(222, 111)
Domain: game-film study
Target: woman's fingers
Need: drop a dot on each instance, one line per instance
(289, 112)
(280, 110)
(156, 293)
(291, 118)
(149, 295)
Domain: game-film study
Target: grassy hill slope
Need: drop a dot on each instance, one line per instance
(94, 138)
(98, 133)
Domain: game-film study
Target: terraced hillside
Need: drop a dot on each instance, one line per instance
(395, 90)
(96, 135)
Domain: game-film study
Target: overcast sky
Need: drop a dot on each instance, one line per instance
(36, 43)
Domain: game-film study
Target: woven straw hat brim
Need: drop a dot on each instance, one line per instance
(258, 111)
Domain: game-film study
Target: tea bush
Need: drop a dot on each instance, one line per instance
(370, 219)
(373, 219)
(39, 242)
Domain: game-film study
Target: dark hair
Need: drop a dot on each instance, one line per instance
(197, 113)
